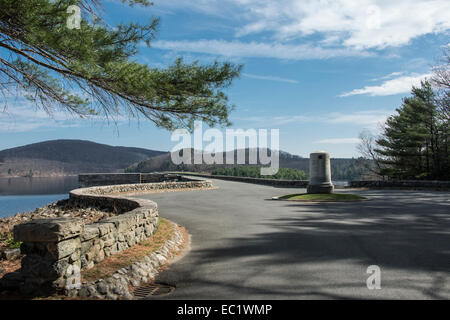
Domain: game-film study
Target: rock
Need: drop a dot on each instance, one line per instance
(161, 258)
(117, 289)
(64, 248)
(134, 267)
(86, 246)
(122, 222)
(90, 232)
(135, 283)
(102, 287)
(84, 292)
(127, 296)
(111, 296)
(12, 280)
(11, 254)
(108, 240)
(107, 251)
(48, 230)
(99, 257)
(124, 281)
(75, 256)
(105, 228)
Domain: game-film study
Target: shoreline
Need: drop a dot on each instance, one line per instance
(38, 176)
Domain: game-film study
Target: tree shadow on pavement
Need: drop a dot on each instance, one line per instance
(400, 232)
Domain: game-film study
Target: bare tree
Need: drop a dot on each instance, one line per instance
(441, 80)
(370, 158)
(441, 72)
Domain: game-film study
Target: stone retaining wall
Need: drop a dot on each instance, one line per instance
(117, 285)
(105, 179)
(401, 184)
(58, 249)
(268, 182)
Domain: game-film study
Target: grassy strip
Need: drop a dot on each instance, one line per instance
(110, 265)
(322, 197)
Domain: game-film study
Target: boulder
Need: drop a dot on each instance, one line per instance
(48, 230)
(11, 254)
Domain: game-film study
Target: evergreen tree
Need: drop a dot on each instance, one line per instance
(414, 144)
(255, 172)
(90, 69)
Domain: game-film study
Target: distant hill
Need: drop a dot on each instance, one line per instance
(341, 168)
(65, 157)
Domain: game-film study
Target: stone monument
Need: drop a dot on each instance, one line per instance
(320, 173)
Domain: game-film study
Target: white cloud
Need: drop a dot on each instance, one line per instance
(21, 116)
(274, 120)
(389, 76)
(359, 24)
(269, 78)
(18, 114)
(367, 118)
(339, 141)
(258, 49)
(389, 87)
(370, 118)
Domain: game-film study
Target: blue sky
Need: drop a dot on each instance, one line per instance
(319, 71)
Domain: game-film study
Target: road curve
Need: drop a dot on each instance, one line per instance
(245, 246)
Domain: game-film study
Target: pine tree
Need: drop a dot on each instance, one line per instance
(414, 144)
(90, 69)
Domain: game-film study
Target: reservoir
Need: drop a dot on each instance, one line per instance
(25, 194)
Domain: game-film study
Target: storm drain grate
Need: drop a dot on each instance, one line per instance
(154, 289)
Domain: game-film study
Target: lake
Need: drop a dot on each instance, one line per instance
(26, 194)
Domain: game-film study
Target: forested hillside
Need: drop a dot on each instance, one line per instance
(64, 157)
(342, 169)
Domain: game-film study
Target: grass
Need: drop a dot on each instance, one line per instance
(190, 172)
(110, 265)
(9, 240)
(322, 197)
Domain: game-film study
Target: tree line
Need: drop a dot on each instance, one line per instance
(255, 172)
(414, 142)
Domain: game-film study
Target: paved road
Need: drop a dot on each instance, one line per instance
(245, 246)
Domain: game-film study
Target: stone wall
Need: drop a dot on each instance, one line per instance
(268, 182)
(401, 184)
(105, 179)
(117, 286)
(57, 249)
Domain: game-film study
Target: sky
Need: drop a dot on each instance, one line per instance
(319, 71)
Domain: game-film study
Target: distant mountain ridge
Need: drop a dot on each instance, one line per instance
(341, 168)
(71, 157)
(65, 157)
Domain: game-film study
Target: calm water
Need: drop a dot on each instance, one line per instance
(26, 194)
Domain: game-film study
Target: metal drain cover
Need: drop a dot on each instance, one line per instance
(153, 289)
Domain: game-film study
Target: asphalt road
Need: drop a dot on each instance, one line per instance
(245, 246)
